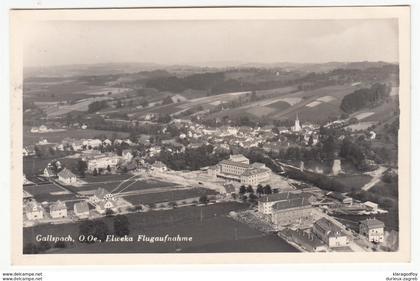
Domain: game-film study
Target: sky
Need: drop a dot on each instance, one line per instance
(50, 43)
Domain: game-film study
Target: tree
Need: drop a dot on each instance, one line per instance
(81, 167)
(249, 189)
(167, 100)
(267, 189)
(203, 199)
(260, 189)
(121, 225)
(108, 168)
(38, 152)
(95, 172)
(311, 140)
(242, 189)
(172, 204)
(252, 197)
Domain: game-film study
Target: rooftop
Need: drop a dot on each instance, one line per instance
(291, 203)
(57, 206)
(81, 207)
(328, 227)
(373, 223)
(282, 196)
(66, 173)
(233, 163)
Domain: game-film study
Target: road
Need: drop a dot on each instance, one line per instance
(376, 177)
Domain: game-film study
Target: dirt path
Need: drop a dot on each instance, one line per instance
(376, 177)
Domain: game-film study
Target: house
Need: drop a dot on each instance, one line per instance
(58, 210)
(67, 177)
(29, 150)
(84, 127)
(34, 211)
(341, 197)
(371, 206)
(103, 206)
(77, 145)
(92, 143)
(213, 170)
(373, 229)
(106, 142)
(127, 155)
(372, 135)
(100, 194)
(158, 166)
(330, 233)
(42, 129)
(81, 209)
(48, 172)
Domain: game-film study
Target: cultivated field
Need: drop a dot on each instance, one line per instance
(57, 137)
(168, 196)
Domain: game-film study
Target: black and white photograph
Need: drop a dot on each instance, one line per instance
(211, 135)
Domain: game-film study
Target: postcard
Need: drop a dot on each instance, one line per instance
(210, 135)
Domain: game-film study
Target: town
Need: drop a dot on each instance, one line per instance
(314, 183)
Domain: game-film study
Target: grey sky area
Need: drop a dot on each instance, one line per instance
(204, 42)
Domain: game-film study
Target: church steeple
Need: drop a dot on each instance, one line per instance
(297, 127)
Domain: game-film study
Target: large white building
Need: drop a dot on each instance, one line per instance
(237, 168)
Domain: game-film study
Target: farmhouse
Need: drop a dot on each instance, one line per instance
(33, 211)
(67, 177)
(373, 229)
(81, 209)
(330, 233)
(103, 206)
(58, 210)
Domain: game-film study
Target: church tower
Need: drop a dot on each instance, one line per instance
(297, 127)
